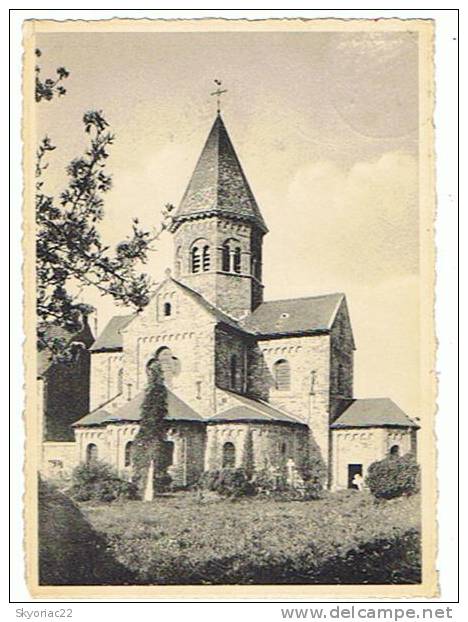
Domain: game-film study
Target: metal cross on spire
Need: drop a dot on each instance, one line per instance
(219, 91)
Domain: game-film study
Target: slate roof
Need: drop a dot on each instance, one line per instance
(276, 317)
(218, 185)
(111, 338)
(248, 409)
(296, 315)
(379, 412)
(178, 410)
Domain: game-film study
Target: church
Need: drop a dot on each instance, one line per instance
(273, 378)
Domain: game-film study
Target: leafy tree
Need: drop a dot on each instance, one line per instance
(48, 88)
(70, 252)
(150, 442)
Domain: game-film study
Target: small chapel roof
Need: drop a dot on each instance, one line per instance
(249, 409)
(376, 412)
(111, 337)
(294, 315)
(218, 185)
(178, 410)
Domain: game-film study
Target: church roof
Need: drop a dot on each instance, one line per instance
(218, 185)
(378, 412)
(296, 315)
(178, 410)
(272, 318)
(249, 409)
(111, 338)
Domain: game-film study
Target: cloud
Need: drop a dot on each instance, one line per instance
(352, 225)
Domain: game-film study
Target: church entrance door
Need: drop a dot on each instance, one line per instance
(353, 470)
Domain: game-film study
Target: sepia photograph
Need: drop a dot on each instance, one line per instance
(229, 274)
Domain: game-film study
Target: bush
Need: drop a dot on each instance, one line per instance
(393, 477)
(208, 480)
(270, 481)
(228, 482)
(313, 489)
(162, 483)
(98, 481)
(274, 482)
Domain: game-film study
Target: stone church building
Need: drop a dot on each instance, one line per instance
(273, 378)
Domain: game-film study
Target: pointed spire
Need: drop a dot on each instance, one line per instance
(218, 185)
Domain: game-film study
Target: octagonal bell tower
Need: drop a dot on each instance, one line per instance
(218, 230)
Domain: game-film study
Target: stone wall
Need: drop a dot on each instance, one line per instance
(260, 444)
(106, 380)
(404, 439)
(364, 446)
(189, 332)
(309, 395)
(227, 346)
(234, 293)
(111, 441)
(104, 441)
(189, 453)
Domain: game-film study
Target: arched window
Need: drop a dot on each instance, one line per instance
(167, 309)
(233, 372)
(170, 365)
(231, 256)
(226, 257)
(195, 259)
(282, 375)
(237, 260)
(206, 258)
(120, 380)
(229, 456)
(395, 450)
(128, 454)
(166, 361)
(91, 453)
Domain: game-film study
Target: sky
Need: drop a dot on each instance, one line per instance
(326, 127)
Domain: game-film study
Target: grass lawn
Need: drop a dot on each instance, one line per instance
(346, 537)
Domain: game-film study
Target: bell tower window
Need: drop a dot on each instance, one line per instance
(206, 258)
(195, 260)
(237, 260)
(231, 256)
(226, 257)
(167, 309)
